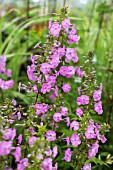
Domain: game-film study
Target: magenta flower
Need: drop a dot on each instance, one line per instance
(74, 125)
(57, 117)
(97, 95)
(22, 164)
(47, 164)
(31, 140)
(71, 55)
(75, 140)
(79, 112)
(54, 94)
(93, 150)
(82, 100)
(51, 135)
(30, 73)
(55, 29)
(98, 107)
(63, 110)
(17, 154)
(5, 147)
(87, 166)
(68, 155)
(66, 88)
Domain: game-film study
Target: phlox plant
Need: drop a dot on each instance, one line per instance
(47, 135)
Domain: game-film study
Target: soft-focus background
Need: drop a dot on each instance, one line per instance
(23, 23)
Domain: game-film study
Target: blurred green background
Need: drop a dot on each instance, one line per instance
(23, 23)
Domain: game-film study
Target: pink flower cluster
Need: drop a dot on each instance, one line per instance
(5, 84)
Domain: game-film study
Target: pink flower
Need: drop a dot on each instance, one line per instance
(51, 135)
(61, 51)
(97, 95)
(67, 140)
(2, 65)
(71, 55)
(63, 110)
(103, 139)
(9, 72)
(9, 134)
(54, 94)
(5, 147)
(73, 38)
(93, 150)
(75, 140)
(20, 139)
(45, 68)
(63, 70)
(31, 140)
(57, 117)
(87, 166)
(68, 155)
(66, 88)
(17, 154)
(66, 24)
(19, 115)
(90, 133)
(35, 88)
(55, 151)
(98, 107)
(46, 87)
(67, 121)
(79, 112)
(74, 125)
(22, 164)
(70, 72)
(83, 100)
(55, 29)
(47, 164)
